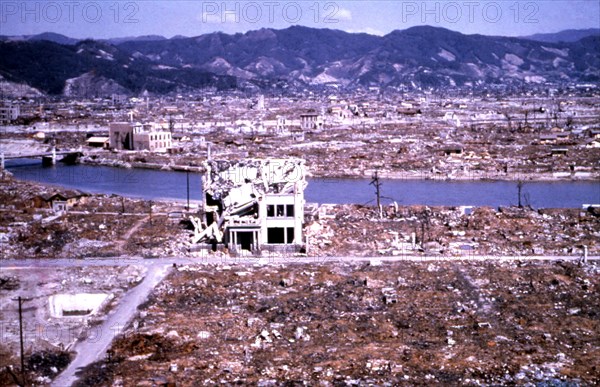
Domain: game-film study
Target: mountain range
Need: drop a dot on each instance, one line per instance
(565, 36)
(295, 57)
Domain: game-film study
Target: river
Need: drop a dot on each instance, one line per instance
(156, 185)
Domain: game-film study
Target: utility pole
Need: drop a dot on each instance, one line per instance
(20, 300)
(21, 338)
(187, 177)
(377, 184)
(425, 225)
(520, 185)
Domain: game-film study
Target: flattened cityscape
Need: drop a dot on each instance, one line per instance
(233, 276)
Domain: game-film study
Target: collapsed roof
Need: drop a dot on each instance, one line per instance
(232, 191)
(224, 179)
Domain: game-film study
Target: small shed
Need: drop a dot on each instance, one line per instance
(59, 201)
(559, 151)
(98, 142)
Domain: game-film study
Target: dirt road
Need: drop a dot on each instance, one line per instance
(99, 339)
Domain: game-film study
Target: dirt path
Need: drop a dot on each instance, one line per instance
(121, 242)
(484, 307)
(96, 344)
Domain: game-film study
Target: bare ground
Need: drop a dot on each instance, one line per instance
(445, 323)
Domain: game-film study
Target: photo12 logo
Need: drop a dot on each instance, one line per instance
(272, 11)
(68, 12)
(469, 12)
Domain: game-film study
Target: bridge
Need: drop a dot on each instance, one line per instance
(47, 157)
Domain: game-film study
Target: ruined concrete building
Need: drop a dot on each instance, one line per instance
(137, 136)
(310, 121)
(253, 204)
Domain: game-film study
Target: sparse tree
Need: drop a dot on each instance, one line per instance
(509, 119)
(377, 184)
(425, 220)
(171, 124)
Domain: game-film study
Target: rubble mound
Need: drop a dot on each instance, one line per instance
(495, 323)
(151, 346)
(49, 364)
(9, 283)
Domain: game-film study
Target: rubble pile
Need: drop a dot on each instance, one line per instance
(7, 358)
(355, 230)
(48, 364)
(9, 283)
(349, 324)
(264, 176)
(92, 226)
(158, 236)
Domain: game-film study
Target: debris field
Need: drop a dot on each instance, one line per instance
(404, 323)
(356, 230)
(112, 226)
(95, 225)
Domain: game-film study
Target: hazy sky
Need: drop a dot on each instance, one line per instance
(106, 19)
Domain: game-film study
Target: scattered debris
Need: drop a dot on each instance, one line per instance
(472, 323)
(9, 283)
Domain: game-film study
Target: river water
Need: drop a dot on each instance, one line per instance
(154, 184)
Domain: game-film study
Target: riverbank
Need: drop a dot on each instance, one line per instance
(170, 185)
(119, 162)
(100, 225)
(414, 152)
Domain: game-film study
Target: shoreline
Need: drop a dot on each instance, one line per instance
(368, 174)
(97, 226)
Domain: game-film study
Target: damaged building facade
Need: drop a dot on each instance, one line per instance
(253, 205)
(138, 136)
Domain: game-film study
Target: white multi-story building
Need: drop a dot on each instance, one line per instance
(156, 141)
(253, 205)
(137, 136)
(9, 113)
(310, 121)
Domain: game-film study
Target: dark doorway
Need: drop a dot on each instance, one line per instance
(290, 235)
(128, 142)
(245, 239)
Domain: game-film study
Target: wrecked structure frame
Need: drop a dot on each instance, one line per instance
(252, 205)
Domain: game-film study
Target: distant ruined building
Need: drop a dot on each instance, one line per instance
(137, 136)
